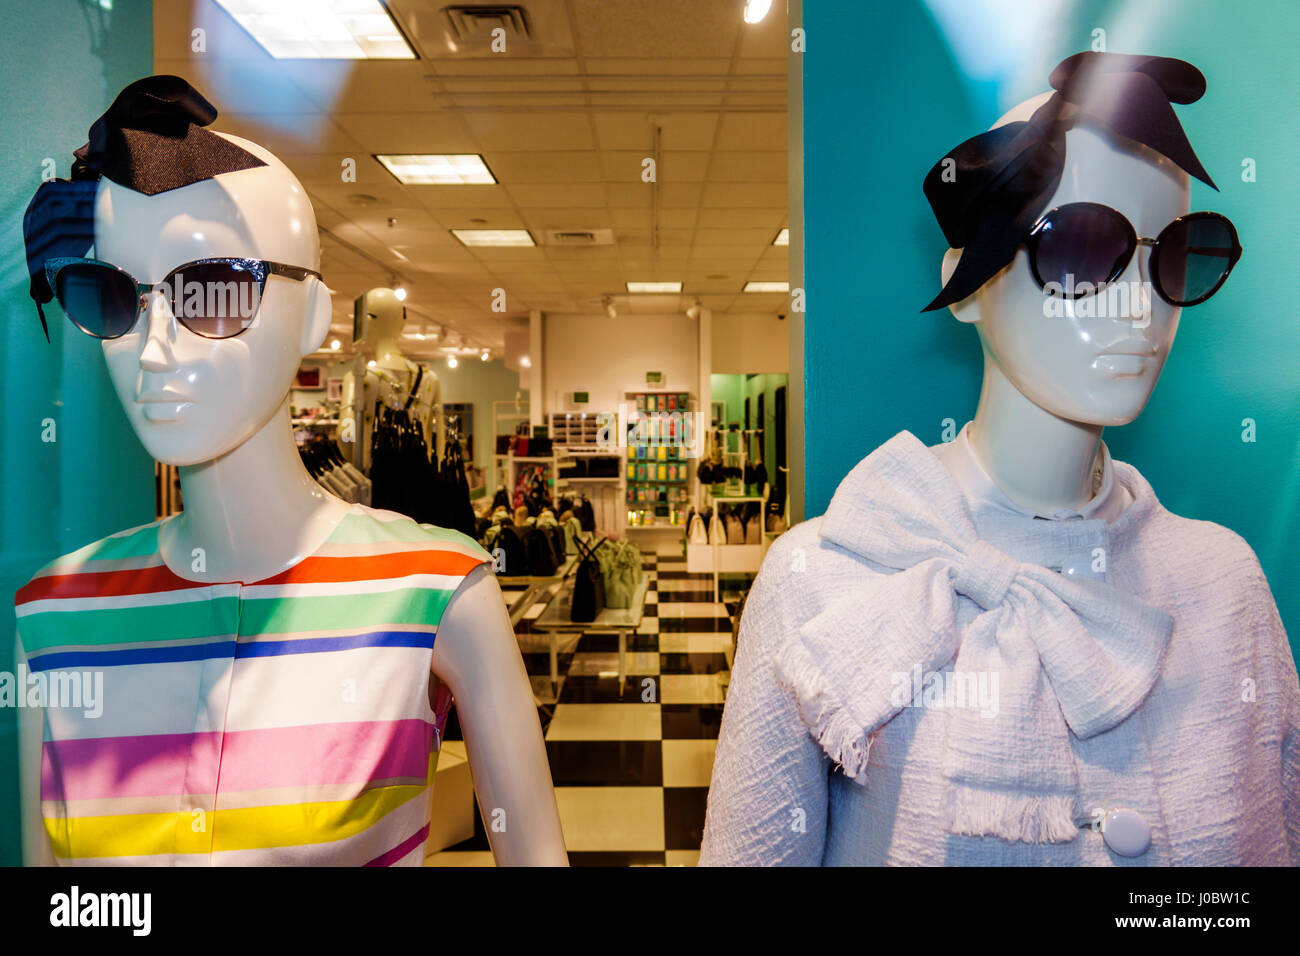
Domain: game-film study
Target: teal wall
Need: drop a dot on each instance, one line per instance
(879, 110)
(63, 62)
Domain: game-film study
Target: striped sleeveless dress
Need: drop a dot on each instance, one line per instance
(287, 721)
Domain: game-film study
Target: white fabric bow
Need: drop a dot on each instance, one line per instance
(1070, 655)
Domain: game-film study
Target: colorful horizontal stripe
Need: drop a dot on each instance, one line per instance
(286, 720)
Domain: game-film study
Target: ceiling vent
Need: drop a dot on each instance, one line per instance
(579, 237)
(474, 23)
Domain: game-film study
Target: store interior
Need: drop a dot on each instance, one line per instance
(556, 238)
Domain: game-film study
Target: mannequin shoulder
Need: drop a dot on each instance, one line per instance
(801, 575)
(376, 525)
(63, 583)
(133, 546)
(1200, 552)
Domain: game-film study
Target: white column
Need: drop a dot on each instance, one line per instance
(536, 376)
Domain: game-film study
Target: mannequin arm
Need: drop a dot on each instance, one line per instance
(31, 733)
(476, 654)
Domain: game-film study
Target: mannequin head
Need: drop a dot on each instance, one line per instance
(386, 317)
(192, 399)
(1092, 360)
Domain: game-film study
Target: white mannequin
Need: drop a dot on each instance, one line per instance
(219, 410)
(389, 379)
(1052, 384)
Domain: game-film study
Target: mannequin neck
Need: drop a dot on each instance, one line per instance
(388, 354)
(1042, 462)
(254, 512)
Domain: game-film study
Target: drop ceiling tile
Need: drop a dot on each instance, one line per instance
(561, 195)
(635, 131)
(436, 198)
(746, 131)
(290, 132)
(434, 131)
(528, 130)
(665, 29)
(560, 166)
(751, 166)
(677, 195)
(728, 217)
(658, 67)
(753, 238)
(742, 195)
(595, 217)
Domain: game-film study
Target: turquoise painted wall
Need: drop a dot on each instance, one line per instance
(63, 62)
(880, 109)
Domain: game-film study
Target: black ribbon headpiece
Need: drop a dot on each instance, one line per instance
(998, 183)
(151, 140)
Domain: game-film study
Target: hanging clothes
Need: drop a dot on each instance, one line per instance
(400, 471)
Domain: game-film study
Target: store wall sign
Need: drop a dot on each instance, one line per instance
(654, 378)
(581, 398)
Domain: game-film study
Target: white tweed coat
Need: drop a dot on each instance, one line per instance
(1210, 758)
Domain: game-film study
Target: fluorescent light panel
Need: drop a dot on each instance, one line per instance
(767, 287)
(428, 169)
(654, 287)
(494, 237)
(321, 29)
(782, 237)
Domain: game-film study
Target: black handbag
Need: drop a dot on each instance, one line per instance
(588, 585)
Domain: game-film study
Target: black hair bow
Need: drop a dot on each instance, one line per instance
(151, 139)
(988, 192)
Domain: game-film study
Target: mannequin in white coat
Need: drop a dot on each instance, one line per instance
(1051, 384)
(390, 380)
(219, 410)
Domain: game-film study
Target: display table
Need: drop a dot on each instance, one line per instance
(555, 621)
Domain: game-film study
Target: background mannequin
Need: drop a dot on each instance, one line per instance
(390, 380)
(219, 410)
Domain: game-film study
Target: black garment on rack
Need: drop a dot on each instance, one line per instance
(453, 507)
(585, 514)
(400, 472)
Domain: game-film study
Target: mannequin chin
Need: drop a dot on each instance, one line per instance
(1094, 361)
(192, 399)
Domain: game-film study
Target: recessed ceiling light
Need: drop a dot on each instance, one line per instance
(494, 237)
(321, 29)
(335, 345)
(767, 287)
(451, 361)
(782, 237)
(654, 287)
(756, 10)
(437, 169)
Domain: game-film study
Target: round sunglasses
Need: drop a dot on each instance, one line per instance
(1086, 246)
(215, 298)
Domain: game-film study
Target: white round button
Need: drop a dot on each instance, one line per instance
(1081, 566)
(1126, 832)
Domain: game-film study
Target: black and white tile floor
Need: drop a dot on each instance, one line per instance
(631, 766)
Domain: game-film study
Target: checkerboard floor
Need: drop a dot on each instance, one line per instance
(631, 764)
